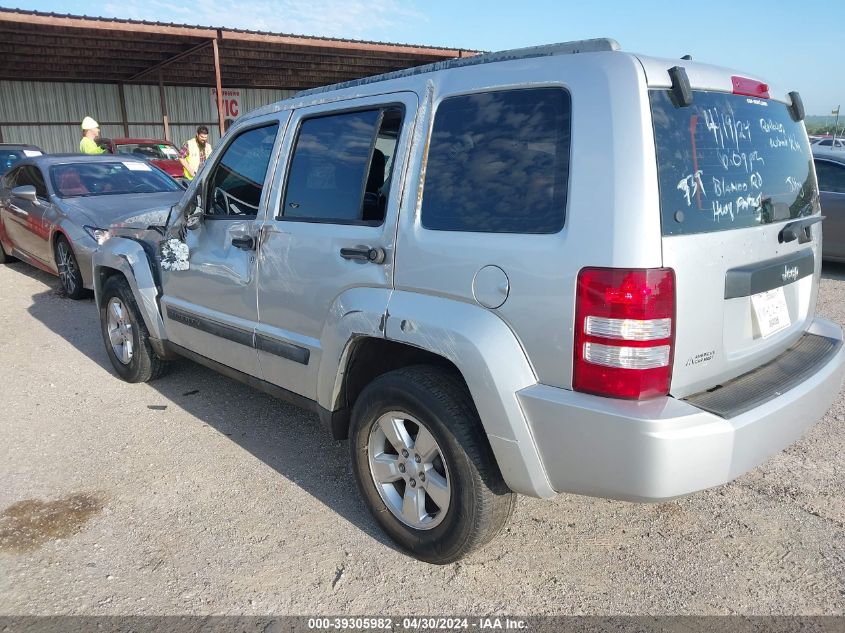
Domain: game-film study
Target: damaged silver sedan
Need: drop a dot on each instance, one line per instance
(55, 210)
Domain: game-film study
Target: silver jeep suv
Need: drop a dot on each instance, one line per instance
(559, 269)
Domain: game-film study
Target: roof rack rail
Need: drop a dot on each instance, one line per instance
(546, 50)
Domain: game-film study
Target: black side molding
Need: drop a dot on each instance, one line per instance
(745, 281)
(244, 337)
(284, 349)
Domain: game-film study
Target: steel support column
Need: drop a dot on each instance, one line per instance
(123, 116)
(219, 83)
(163, 101)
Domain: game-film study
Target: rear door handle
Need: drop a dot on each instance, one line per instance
(376, 255)
(245, 243)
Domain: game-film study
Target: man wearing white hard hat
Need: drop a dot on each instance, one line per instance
(90, 132)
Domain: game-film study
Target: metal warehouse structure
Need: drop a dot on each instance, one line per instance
(150, 79)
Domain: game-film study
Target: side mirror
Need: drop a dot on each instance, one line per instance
(25, 192)
(194, 219)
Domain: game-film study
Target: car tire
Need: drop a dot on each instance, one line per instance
(70, 277)
(463, 502)
(125, 334)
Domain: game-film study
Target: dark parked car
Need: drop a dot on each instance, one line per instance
(56, 209)
(163, 154)
(11, 153)
(830, 171)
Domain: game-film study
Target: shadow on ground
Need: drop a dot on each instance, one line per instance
(286, 438)
(833, 270)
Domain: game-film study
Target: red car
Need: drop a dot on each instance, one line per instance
(163, 154)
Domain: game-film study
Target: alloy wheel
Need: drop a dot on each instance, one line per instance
(67, 267)
(120, 330)
(409, 470)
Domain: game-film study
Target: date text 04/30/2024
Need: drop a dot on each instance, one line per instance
(417, 623)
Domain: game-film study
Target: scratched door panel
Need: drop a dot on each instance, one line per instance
(211, 307)
(308, 291)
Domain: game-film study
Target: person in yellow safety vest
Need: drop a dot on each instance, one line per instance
(194, 153)
(90, 132)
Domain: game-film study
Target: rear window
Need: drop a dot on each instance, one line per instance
(499, 162)
(149, 151)
(730, 162)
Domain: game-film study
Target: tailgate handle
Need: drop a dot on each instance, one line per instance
(794, 230)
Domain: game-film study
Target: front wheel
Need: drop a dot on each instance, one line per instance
(125, 334)
(424, 466)
(70, 276)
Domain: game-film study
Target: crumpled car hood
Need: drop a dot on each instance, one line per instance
(138, 210)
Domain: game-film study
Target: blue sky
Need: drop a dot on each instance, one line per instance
(797, 46)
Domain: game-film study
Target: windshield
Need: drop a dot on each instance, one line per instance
(149, 151)
(108, 179)
(8, 157)
(728, 162)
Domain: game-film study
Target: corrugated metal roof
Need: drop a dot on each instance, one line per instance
(38, 46)
(222, 28)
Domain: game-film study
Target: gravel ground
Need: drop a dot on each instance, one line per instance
(197, 495)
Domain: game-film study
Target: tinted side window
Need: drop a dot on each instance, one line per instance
(31, 175)
(831, 177)
(340, 170)
(499, 163)
(238, 177)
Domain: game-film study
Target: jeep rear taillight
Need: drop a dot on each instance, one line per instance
(624, 332)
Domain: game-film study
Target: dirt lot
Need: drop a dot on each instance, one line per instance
(196, 495)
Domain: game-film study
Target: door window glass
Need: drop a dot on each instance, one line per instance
(8, 157)
(31, 175)
(499, 162)
(238, 177)
(831, 177)
(341, 166)
(10, 178)
(829, 143)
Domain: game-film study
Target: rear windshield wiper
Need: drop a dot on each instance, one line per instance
(797, 229)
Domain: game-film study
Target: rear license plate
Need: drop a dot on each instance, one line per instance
(770, 312)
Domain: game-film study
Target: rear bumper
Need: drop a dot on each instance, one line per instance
(665, 448)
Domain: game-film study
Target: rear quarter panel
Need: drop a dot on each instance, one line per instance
(612, 215)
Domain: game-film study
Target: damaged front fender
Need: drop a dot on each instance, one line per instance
(128, 257)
